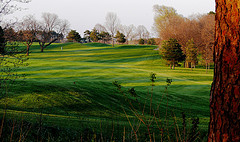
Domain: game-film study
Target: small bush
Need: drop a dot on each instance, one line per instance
(151, 41)
(141, 41)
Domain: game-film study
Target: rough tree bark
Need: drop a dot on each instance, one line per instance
(224, 123)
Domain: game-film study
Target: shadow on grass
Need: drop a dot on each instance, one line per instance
(135, 46)
(93, 44)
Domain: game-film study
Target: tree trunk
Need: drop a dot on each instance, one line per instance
(43, 45)
(28, 47)
(42, 49)
(191, 66)
(112, 41)
(206, 67)
(224, 123)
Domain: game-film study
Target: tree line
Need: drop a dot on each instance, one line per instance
(45, 31)
(195, 35)
(113, 31)
(199, 30)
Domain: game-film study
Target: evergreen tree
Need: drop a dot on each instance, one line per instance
(120, 37)
(151, 41)
(73, 36)
(141, 41)
(172, 52)
(191, 53)
(94, 36)
(104, 36)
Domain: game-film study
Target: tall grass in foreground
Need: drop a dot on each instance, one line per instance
(159, 126)
(11, 58)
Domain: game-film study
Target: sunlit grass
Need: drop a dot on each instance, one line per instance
(77, 82)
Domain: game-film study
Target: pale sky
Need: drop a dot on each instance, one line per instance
(85, 14)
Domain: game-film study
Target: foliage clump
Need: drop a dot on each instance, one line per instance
(191, 53)
(141, 41)
(151, 41)
(120, 37)
(172, 52)
(74, 36)
(94, 36)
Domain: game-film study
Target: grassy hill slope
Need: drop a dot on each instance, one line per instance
(73, 85)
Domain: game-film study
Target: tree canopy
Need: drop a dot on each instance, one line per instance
(73, 36)
(141, 41)
(104, 36)
(51, 30)
(169, 24)
(172, 52)
(94, 36)
(151, 41)
(120, 37)
(191, 52)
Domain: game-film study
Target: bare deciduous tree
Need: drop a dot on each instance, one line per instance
(112, 23)
(207, 27)
(100, 28)
(50, 21)
(142, 32)
(168, 24)
(27, 31)
(7, 6)
(161, 19)
(51, 30)
(128, 31)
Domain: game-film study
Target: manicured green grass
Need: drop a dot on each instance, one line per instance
(75, 84)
